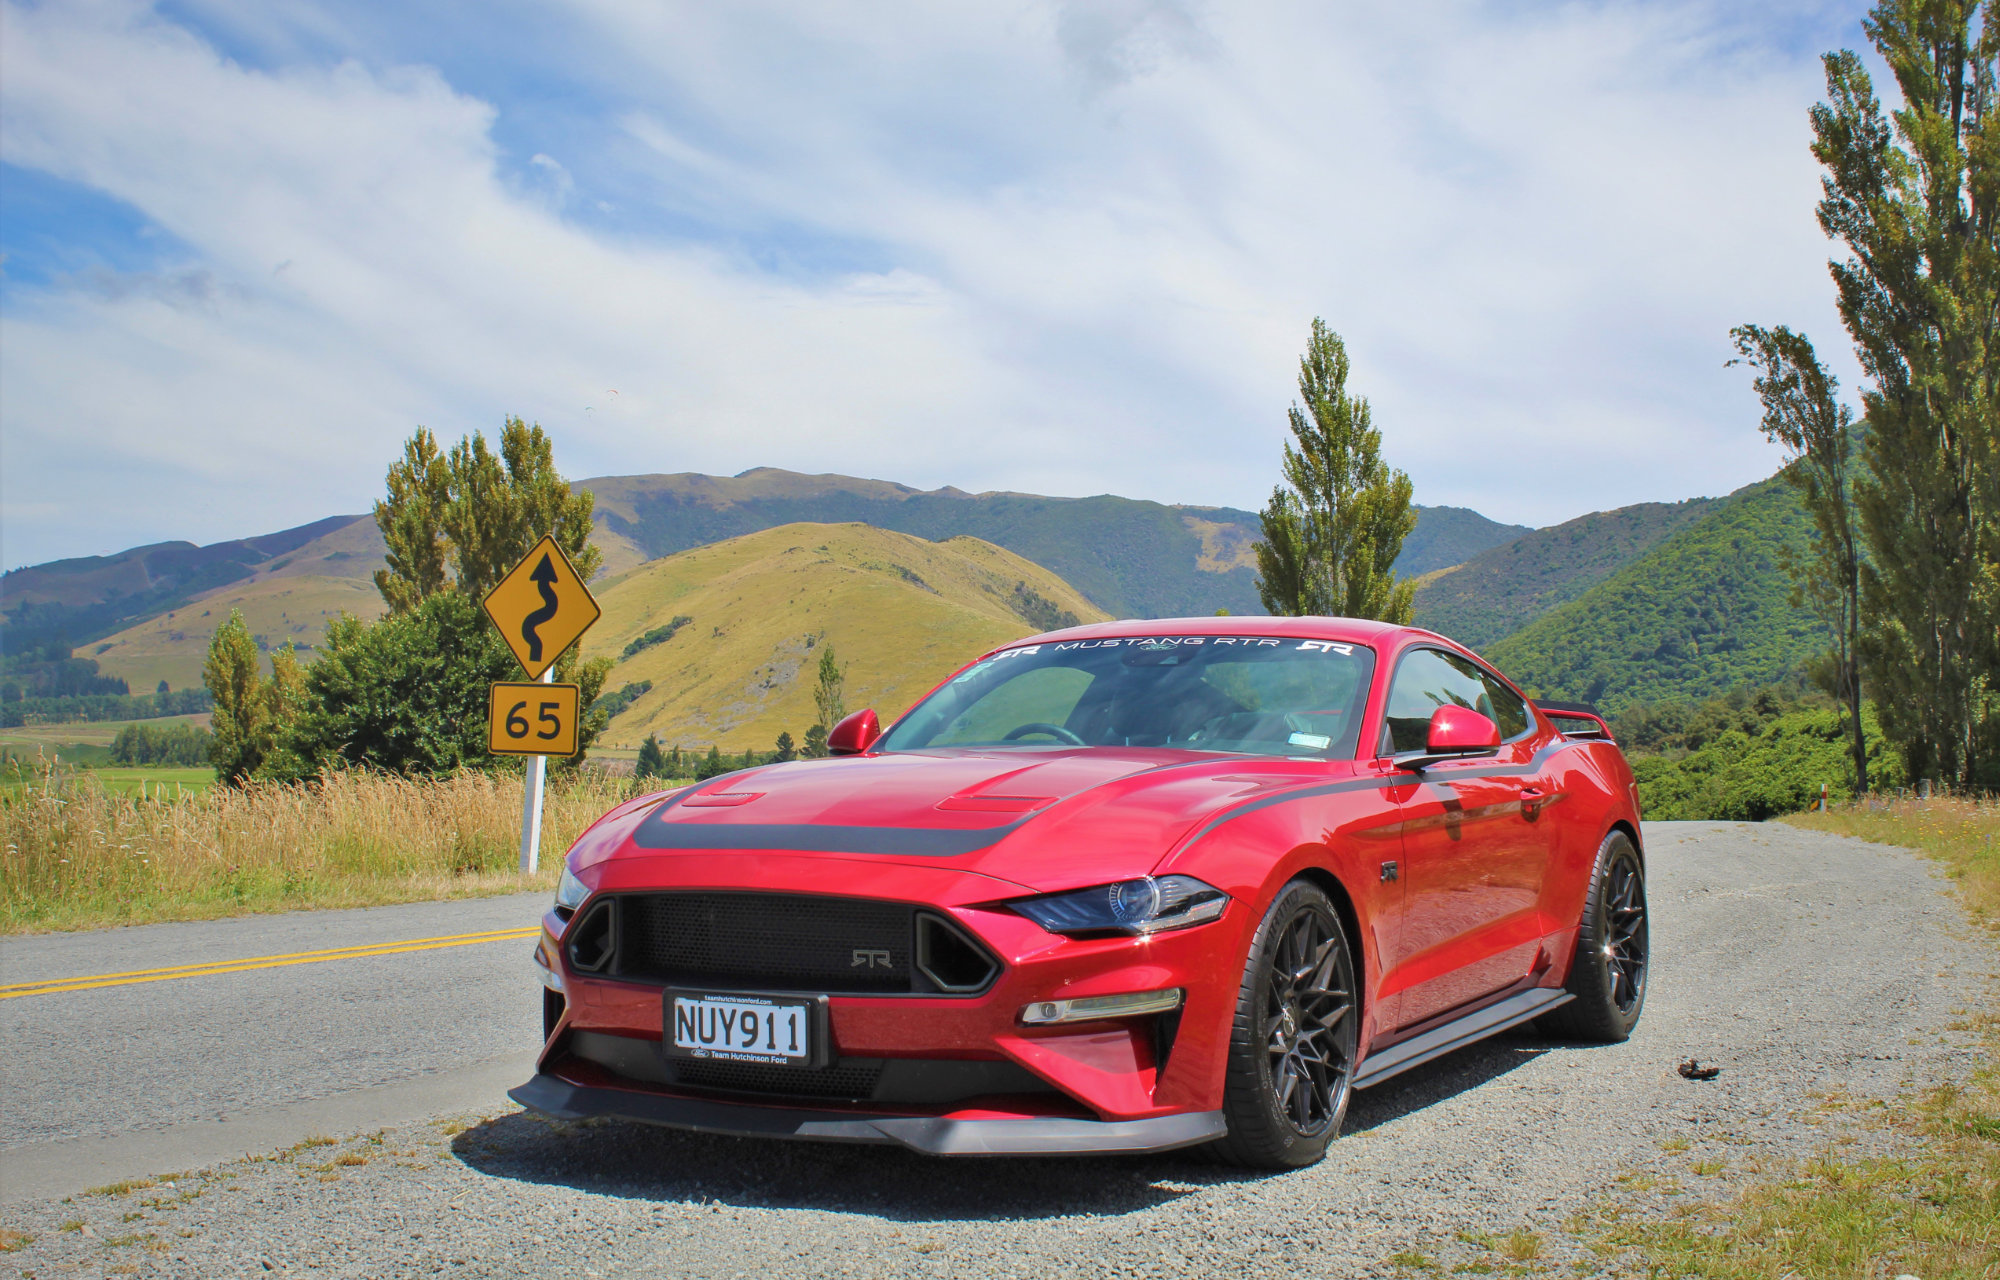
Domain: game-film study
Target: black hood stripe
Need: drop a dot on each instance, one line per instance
(658, 832)
(813, 837)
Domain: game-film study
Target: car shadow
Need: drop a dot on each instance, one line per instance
(646, 1162)
(1443, 1079)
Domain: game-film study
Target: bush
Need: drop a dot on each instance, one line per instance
(1736, 776)
(408, 695)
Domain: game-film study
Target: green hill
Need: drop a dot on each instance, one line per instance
(1705, 609)
(719, 644)
(1497, 591)
(1448, 536)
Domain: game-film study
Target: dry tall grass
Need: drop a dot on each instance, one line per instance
(76, 855)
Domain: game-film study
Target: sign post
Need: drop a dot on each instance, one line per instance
(542, 607)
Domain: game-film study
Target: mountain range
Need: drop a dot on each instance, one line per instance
(1650, 601)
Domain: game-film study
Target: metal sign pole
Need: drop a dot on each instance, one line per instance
(531, 803)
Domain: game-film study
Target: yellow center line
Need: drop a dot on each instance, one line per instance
(89, 982)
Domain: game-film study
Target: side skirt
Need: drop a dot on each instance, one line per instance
(1473, 1027)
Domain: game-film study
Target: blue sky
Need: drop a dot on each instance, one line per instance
(1054, 247)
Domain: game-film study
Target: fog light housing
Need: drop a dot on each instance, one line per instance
(550, 975)
(1093, 1008)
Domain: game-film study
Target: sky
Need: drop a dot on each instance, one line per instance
(1051, 246)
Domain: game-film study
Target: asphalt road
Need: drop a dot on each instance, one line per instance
(1801, 964)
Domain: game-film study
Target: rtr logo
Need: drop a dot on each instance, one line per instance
(864, 959)
(1326, 646)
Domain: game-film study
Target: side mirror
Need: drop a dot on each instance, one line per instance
(857, 732)
(1460, 731)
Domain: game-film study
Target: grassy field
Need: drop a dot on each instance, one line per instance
(80, 850)
(26, 740)
(1933, 1210)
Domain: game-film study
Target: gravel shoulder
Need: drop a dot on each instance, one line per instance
(1802, 964)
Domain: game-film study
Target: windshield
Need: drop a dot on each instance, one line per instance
(1255, 694)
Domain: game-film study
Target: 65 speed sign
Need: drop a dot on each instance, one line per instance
(533, 719)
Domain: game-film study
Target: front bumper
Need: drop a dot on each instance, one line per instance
(933, 1135)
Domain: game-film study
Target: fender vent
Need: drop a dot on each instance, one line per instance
(952, 961)
(593, 939)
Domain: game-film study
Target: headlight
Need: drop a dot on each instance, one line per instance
(570, 893)
(1130, 906)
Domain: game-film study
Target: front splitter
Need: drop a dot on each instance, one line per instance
(933, 1135)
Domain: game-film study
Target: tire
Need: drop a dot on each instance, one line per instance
(1607, 975)
(1292, 1042)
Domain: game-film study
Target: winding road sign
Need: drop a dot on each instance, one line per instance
(541, 607)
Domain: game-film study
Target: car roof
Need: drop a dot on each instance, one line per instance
(1357, 630)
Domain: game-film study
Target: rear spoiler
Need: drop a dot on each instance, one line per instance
(1577, 719)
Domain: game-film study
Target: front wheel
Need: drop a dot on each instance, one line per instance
(1613, 947)
(1292, 1044)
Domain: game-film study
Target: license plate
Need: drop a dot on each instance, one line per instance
(717, 1027)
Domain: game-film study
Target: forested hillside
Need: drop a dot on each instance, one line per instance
(1498, 591)
(1705, 610)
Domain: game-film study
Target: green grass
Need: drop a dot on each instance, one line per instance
(132, 780)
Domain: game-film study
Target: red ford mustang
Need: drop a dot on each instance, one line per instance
(1120, 888)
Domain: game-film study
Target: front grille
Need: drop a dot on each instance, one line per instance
(852, 1080)
(766, 941)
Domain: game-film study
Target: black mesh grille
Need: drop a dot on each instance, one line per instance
(850, 1080)
(766, 941)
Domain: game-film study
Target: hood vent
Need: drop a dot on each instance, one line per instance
(995, 804)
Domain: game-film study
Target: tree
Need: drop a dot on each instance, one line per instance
(1333, 529)
(815, 748)
(475, 513)
(1914, 195)
(787, 749)
(412, 520)
(829, 697)
(251, 715)
(1817, 433)
(711, 767)
(652, 760)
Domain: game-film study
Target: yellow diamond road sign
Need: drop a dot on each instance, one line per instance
(541, 607)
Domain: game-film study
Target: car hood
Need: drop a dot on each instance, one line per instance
(1045, 819)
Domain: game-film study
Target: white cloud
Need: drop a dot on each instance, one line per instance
(1067, 248)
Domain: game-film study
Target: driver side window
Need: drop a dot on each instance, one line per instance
(1427, 679)
(1044, 694)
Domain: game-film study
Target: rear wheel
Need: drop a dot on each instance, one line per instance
(1291, 1047)
(1613, 947)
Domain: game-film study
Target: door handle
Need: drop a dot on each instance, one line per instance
(1532, 800)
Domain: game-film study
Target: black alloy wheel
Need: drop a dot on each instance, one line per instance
(1292, 1045)
(1613, 948)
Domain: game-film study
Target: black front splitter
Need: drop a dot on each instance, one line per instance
(933, 1135)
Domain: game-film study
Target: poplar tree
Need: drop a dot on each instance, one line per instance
(1912, 194)
(411, 519)
(1333, 529)
(1817, 432)
(465, 518)
(829, 692)
(252, 715)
